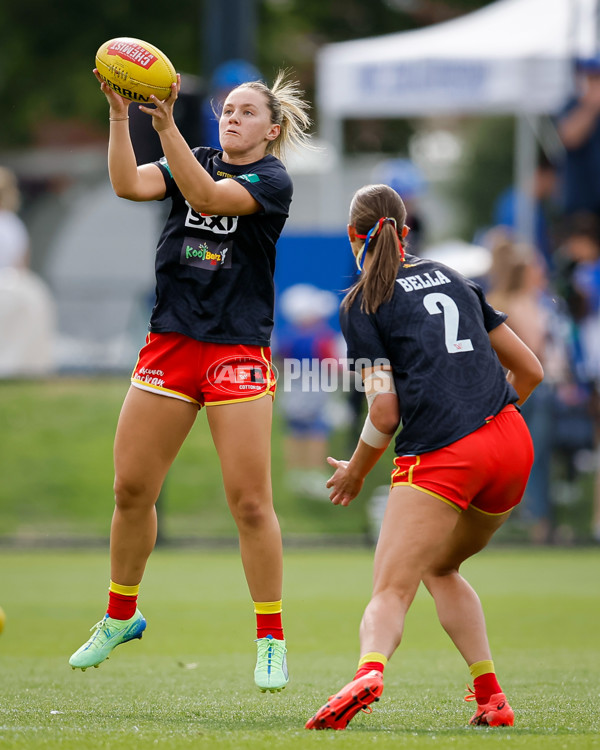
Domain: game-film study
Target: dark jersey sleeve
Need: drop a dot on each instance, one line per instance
(435, 333)
(270, 185)
(365, 347)
(491, 318)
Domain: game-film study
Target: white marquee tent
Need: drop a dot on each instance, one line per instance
(510, 57)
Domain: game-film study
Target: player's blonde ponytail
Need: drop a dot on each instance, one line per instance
(289, 110)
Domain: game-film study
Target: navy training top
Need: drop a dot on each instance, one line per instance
(434, 334)
(214, 274)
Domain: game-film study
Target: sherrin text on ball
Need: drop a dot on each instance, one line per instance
(135, 69)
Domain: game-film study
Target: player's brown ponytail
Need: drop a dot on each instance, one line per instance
(379, 210)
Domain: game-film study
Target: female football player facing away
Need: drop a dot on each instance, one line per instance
(455, 376)
(208, 344)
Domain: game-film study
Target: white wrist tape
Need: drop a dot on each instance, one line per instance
(374, 437)
(376, 382)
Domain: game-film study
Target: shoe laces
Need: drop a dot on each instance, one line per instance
(103, 628)
(471, 694)
(98, 628)
(272, 651)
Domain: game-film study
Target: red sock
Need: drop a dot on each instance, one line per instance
(120, 606)
(485, 686)
(367, 667)
(269, 625)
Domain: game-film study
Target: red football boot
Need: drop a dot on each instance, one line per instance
(352, 698)
(495, 713)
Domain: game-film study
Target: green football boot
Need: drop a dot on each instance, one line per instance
(108, 633)
(271, 672)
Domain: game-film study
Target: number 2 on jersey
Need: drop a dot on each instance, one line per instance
(436, 303)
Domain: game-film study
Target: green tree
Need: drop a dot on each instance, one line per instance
(47, 48)
(47, 55)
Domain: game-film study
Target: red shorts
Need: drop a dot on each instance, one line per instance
(202, 372)
(487, 469)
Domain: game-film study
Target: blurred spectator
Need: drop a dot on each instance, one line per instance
(519, 287)
(305, 343)
(580, 259)
(27, 313)
(579, 130)
(14, 238)
(27, 324)
(226, 77)
(543, 189)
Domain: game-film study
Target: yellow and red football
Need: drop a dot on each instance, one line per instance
(135, 69)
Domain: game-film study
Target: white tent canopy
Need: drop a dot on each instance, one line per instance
(510, 57)
(513, 56)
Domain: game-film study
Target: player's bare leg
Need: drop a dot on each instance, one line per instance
(242, 437)
(459, 608)
(150, 432)
(414, 526)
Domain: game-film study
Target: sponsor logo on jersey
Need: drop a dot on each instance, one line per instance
(205, 254)
(210, 222)
(165, 164)
(423, 281)
(249, 177)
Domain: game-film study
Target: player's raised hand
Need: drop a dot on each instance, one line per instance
(119, 106)
(162, 113)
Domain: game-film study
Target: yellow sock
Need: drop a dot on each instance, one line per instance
(481, 667)
(374, 660)
(373, 656)
(117, 588)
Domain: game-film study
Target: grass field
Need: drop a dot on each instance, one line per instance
(56, 466)
(56, 441)
(188, 682)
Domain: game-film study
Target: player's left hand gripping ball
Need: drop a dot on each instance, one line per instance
(135, 69)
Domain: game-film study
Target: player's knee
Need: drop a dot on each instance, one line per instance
(250, 509)
(400, 591)
(438, 575)
(129, 492)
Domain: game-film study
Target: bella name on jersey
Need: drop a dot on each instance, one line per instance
(423, 281)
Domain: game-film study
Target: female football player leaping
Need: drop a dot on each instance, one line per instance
(208, 344)
(463, 454)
